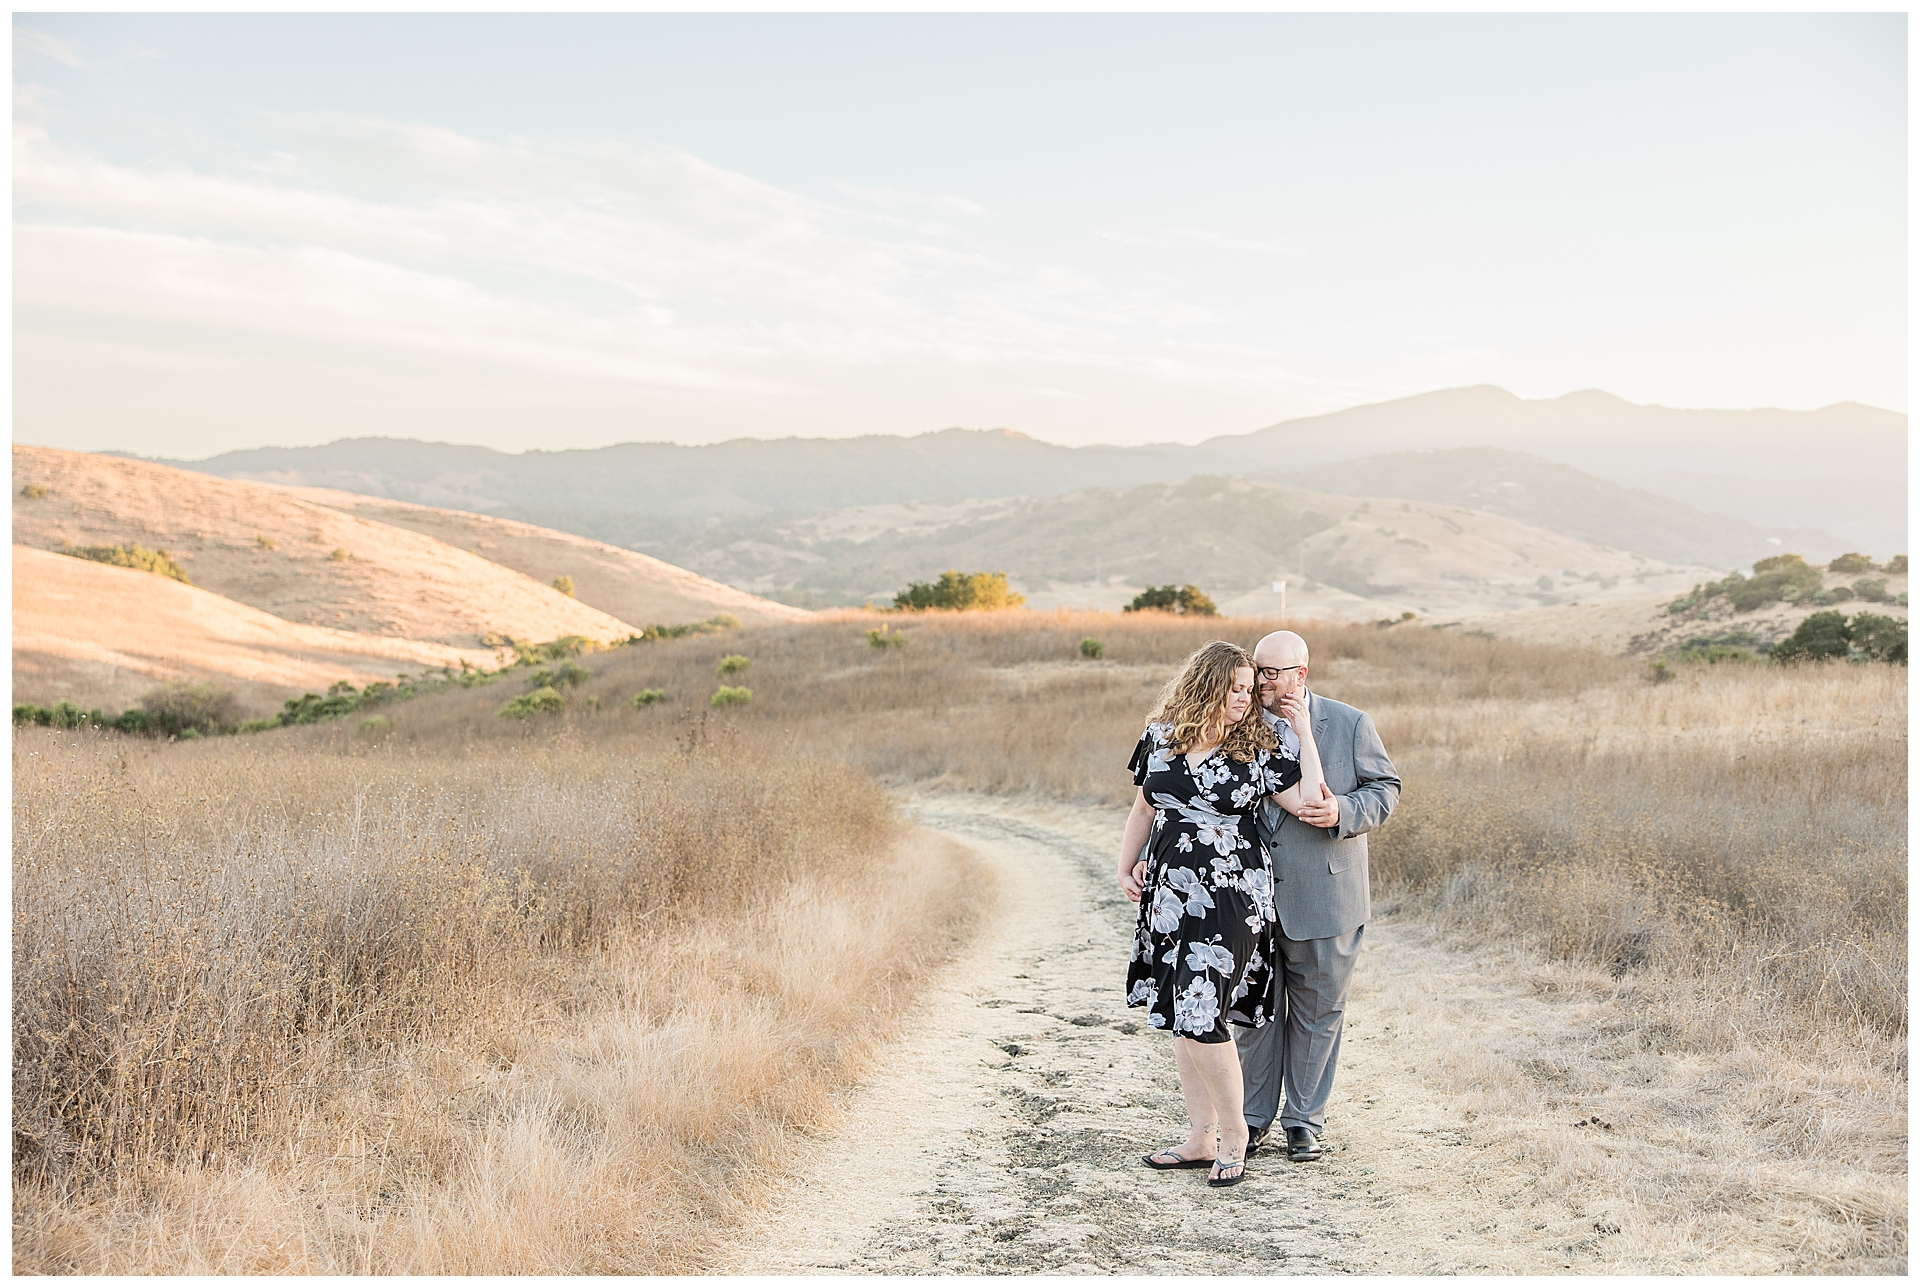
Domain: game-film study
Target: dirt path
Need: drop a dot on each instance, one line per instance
(1004, 1134)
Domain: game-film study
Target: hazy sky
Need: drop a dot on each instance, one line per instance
(521, 231)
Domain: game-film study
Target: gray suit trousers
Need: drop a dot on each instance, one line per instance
(1301, 1047)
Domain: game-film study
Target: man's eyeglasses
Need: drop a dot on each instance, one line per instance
(1271, 673)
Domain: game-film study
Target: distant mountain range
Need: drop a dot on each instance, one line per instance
(1713, 488)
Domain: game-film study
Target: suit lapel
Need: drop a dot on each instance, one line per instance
(1319, 713)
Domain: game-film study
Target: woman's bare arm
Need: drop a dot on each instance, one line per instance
(1133, 870)
(1308, 788)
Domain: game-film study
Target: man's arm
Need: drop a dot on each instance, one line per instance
(1367, 806)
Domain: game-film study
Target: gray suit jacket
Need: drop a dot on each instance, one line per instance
(1320, 873)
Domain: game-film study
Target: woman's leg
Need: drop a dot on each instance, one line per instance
(1203, 1133)
(1215, 1068)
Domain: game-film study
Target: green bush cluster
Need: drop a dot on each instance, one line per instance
(1869, 637)
(712, 626)
(34, 492)
(1092, 649)
(571, 674)
(1852, 561)
(540, 701)
(66, 715)
(564, 584)
(1740, 645)
(730, 696)
(138, 558)
(647, 697)
(958, 591)
(732, 663)
(1188, 601)
(883, 637)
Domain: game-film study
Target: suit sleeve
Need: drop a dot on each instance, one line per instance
(1367, 806)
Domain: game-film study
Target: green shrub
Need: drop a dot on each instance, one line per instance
(1092, 649)
(1871, 589)
(1897, 566)
(61, 715)
(567, 673)
(132, 720)
(647, 697)
(257, 726)
(189, 734)
(1786, 578)
(378, 692)
(1188, 601)
(712, 626)
(1821, 635)
(531, 704)
(732, 663)
(885, 637)
(1879, 639)
(961, 592)
(1852, 561)
(33, 492)
(727, 696)
(266, 543)
(374, 724)
(311, 708)
(564, 584)
(1701, 593)
(136, 557)
(339, 554)
(1832, 595)
(173, 709)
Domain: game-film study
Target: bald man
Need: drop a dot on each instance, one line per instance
(1320, 889)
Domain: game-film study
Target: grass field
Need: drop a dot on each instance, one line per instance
(331, 998)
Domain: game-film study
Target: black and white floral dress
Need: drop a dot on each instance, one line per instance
(1203, 946)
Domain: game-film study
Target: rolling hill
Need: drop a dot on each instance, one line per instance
(290, 593)
(1561, 499)
(633, 587)
(102, 636)
(1097, 547)
(1838, 459)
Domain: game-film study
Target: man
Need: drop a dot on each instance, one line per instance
(1320, 890)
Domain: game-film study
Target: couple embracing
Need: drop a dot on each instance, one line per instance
(1246, 851)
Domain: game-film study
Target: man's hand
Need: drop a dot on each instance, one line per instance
(1324, 812)
(1133, 879)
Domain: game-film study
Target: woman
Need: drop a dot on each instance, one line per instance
(1204, 943)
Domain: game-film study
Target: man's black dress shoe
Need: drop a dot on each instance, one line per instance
(1254, 1136)
(1302, 1146)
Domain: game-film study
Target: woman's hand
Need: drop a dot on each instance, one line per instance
(1293, 708)
(1133, 846)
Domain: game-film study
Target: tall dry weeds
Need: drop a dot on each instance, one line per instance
(226, 953)
(265, 971)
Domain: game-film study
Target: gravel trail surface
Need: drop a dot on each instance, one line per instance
(1005, 1132)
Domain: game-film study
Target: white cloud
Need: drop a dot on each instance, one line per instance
(31, 40)
(652, 270)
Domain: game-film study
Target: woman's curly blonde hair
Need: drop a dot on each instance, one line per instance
(1197, 698)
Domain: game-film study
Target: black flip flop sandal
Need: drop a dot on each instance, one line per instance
(1174, 1167)
(1221, 1182)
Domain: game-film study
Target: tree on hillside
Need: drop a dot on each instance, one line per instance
(1869, 637)
(1188, 601)
(960, 591)
(1781, 577)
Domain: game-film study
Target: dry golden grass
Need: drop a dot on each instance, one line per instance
(302, 1005)
(1726, 850)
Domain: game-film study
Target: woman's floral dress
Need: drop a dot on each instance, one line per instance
(1203, 946)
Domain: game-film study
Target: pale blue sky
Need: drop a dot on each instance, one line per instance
(523, 231)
